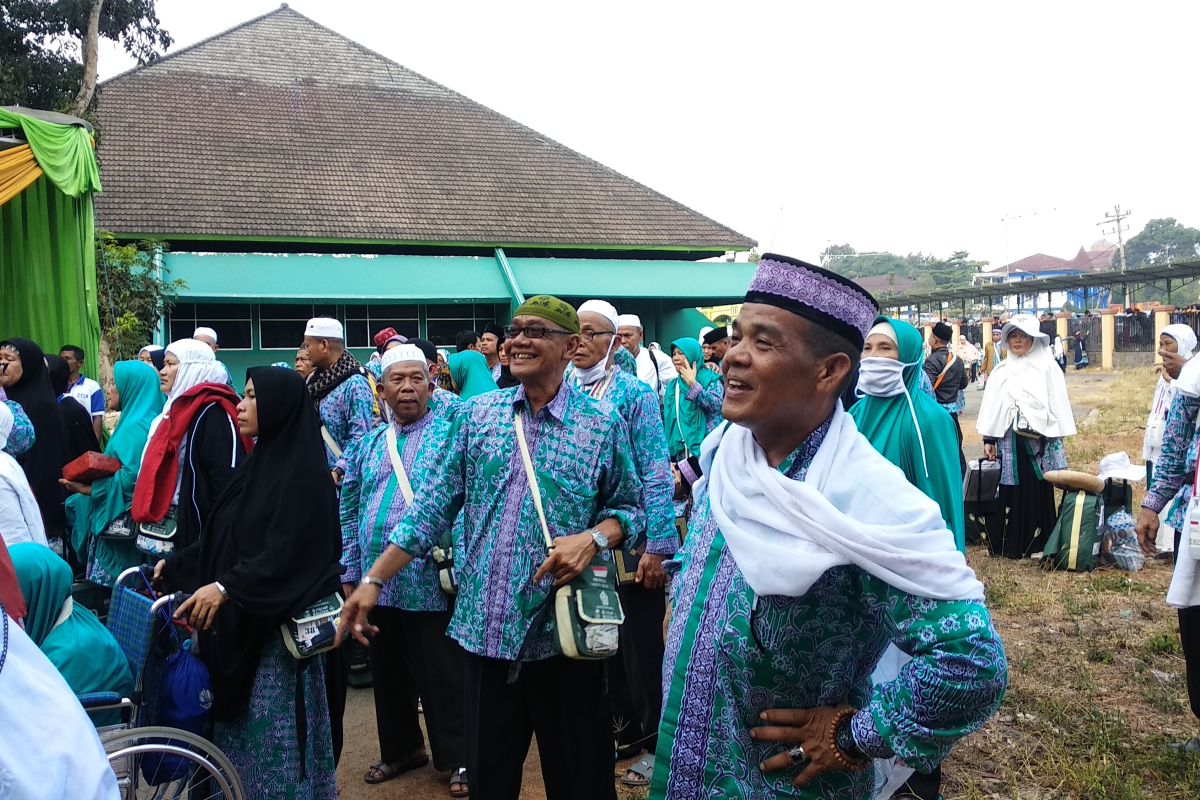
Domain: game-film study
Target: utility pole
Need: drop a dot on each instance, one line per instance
(1114, 218)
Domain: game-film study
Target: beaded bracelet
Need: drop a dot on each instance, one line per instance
(844, 761)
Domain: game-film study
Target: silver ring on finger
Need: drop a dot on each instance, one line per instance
(797, 755)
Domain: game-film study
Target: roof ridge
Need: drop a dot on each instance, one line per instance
(282, 7)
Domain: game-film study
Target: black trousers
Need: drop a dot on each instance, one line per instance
(642, 657)
(962, 459)
(411, 658)
(560, 700)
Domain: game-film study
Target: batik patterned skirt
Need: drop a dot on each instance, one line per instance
(264, 743)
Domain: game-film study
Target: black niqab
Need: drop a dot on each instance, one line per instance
(44, 462)
(273, 538)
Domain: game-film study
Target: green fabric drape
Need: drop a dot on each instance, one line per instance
(48, 270)
(685, 422)
(471, 374)
(80, 647)
(64, 152)
(47, 242)
(887, 422)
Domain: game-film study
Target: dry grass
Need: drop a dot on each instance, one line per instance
(1096, 687)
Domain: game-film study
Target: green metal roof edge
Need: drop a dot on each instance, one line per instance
(189, 237)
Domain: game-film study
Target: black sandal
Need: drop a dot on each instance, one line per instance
(382, 772)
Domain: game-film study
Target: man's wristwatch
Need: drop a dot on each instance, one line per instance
(600, 539)
(843, 739)
(372, 580)
(221, 589)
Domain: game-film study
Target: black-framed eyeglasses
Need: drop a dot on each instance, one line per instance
(531, 332)
(587, 336)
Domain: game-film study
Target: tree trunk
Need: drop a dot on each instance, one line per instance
(91, 41)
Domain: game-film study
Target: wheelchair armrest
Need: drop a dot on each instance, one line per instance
(96, 699)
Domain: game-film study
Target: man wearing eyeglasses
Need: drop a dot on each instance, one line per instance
(518, 683)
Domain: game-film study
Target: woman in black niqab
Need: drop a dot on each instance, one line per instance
(44, 462)
(79, 436)
(273, 537)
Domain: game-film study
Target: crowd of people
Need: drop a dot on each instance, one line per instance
(697, 558)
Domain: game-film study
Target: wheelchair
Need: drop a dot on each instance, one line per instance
(152, 762)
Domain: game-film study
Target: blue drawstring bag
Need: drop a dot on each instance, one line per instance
(184, 701)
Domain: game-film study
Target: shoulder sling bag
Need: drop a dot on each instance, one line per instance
(942, 375)
(587, 611)
(443, 553)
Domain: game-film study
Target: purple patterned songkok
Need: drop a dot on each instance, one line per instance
(816, 294)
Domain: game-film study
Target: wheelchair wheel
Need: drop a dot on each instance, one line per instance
(157, 763)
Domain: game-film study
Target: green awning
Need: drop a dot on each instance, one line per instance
(267, 277)
(697, 282)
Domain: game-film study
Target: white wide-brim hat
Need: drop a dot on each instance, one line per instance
(1117, 465)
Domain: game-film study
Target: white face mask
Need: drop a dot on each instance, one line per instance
(594, 373)
(881, 377)
(884, 377)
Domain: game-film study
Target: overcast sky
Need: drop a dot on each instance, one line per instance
(901, 126)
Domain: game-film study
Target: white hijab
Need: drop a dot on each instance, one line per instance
(1032, 385)
(1165, 391)
(853, 507)
(20, 519)
(197, 364)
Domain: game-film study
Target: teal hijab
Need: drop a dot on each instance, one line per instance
(887, 422)
(81, 648)
(685, 421)
(471, 374)
(141, 401)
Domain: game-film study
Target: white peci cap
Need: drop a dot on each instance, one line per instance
(324, 328)
(402, 354)
(203, 331)
(604, 309)
(629, 321)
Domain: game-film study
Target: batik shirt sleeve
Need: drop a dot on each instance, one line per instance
(953, 684)
(348, 413)
(349, 509)
(1173, 470)
(621, 489)
(649, 440)
(434, 510)
(709, 398)
(21, 438)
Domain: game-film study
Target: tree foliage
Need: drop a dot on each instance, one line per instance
(927, 272)
(1162, 241)
(133, 297)
(41, 65)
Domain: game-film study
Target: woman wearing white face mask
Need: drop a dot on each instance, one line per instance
(905, 424)
(1023, 418)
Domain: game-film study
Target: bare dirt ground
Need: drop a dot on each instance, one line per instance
(1096, 677)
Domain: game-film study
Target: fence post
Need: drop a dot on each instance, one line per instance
(1162, 318)
(1063, 332)
(956, 327)
(985, 331)
(1108, 338)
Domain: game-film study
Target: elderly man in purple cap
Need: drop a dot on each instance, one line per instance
(823, 617)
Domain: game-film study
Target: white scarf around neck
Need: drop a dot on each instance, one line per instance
(853, 507)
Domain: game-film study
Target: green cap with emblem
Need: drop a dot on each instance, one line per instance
(551, 309)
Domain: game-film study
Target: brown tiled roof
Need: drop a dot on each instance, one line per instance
(280, 127)
(1093, 260)
(1038, 262)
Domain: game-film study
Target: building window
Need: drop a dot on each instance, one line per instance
(362, 321)
(281, 325)
(444, 321)
(231, 321)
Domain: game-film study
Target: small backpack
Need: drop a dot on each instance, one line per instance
(1075, 542)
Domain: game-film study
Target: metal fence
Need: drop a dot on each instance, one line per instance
(1049, 327)
(973, 331)
(1134, 333)
(1189, 317)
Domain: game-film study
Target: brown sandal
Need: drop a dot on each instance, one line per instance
(382, 772)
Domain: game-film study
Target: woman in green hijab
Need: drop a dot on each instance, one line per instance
(137, 396)
(70, 636)
(905, 424)
(691, 402)
(471, 374)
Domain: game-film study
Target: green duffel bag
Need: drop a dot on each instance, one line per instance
(1074, 543)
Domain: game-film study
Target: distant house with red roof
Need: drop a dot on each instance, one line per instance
(1098, 258)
